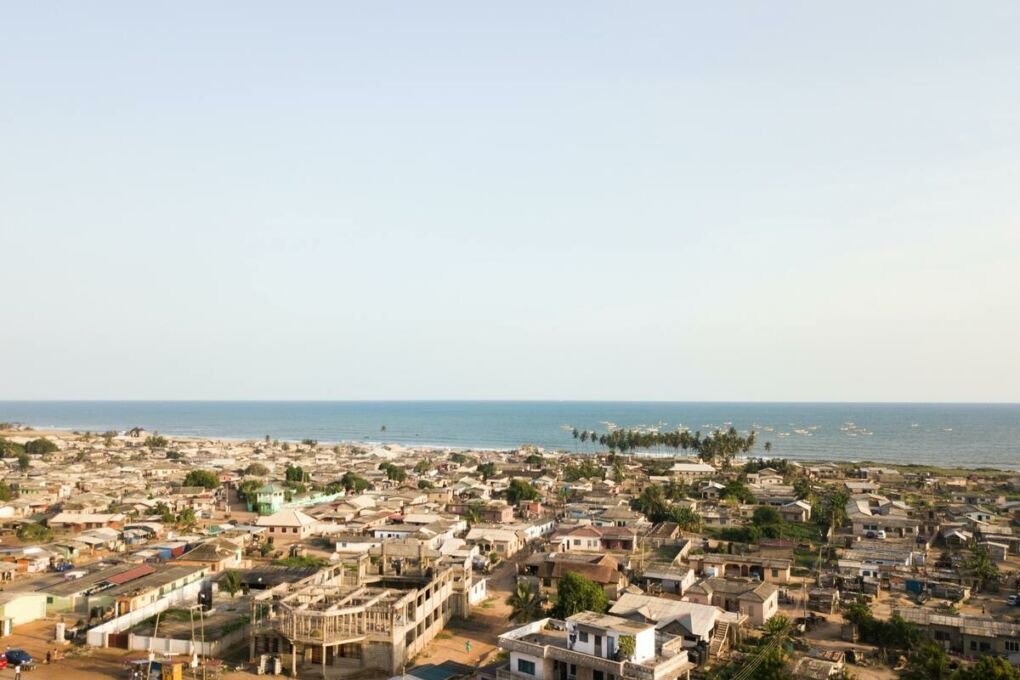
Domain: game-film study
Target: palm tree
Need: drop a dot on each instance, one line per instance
(526, 603)
(981, 567)
(768, 447)
(473, 514)
(231, 583)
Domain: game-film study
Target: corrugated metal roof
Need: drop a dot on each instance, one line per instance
(131, 574)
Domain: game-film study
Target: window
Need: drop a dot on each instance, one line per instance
(582, 636)
(525, 666)
(775, 572)
(1012, 646)
(598, 675)
(577, 541)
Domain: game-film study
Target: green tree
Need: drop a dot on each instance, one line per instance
(164, 512)
(293, 473)
(256, 470)
(627, 644)
(736, 490)
(833, 510)
(988, 668)
(520, 490)
(534, 460)
(619, 470)
(425, 484)
(354, 482)
(248, 488)
(202, 478)
(30, 532)
(9, 449)
(187, 517)
(927, 662)
(487, 470)
(802, 488)
(156, 441)
(765, 516)
(981, 567)
(5, 491)
(24, 462)
(394, 473)
(108, 437)
(651, 503)
(422, 466)
(40, 446)
(575, 593)
(231, 583)
(686, 519)
(526, 603)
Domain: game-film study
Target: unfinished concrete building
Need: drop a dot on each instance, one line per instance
(376, 612)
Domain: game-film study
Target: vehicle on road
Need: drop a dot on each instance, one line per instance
(17, 657)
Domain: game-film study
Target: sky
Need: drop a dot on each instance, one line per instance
(783, 201)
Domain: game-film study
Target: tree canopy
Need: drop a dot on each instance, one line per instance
(256, 470)
(156, 441)
(520, 490)
(40, 446)
(354, 482)
(575, 593)
(9, 449)
(203, 478)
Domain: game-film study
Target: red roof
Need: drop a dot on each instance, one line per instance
(131, 574)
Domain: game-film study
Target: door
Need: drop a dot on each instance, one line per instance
(598, 645)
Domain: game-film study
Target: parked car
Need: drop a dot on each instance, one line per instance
(1013, 600)
(880, 534)
(17, 657)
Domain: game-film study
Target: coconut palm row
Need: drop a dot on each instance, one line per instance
(723, 444)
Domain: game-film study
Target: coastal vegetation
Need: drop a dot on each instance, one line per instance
(40, 446)
(718, 444)
(156, 441)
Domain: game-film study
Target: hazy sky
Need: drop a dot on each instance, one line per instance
(725, 201)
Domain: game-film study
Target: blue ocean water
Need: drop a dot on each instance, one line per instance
(944, 434)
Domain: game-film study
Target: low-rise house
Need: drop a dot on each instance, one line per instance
(288, 526)
(798, 512)
(970, 635)
(70, 521)
(596, 539)
(692, 471)
(504, 543)
(217, 555)
(767, 569)
(759, 601)
(268, 500)
(588, 645)
(547, 569)
(870, 513)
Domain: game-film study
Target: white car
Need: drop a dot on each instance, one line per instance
(879, 534)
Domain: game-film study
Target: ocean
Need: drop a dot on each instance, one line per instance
(978, 435)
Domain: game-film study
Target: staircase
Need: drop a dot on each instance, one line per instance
(720, 639)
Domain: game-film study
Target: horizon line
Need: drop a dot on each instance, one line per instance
(509, 401)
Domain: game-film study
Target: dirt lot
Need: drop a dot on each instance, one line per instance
(79, 663)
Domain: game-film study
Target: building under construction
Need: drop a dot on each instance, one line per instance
(371, 612)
